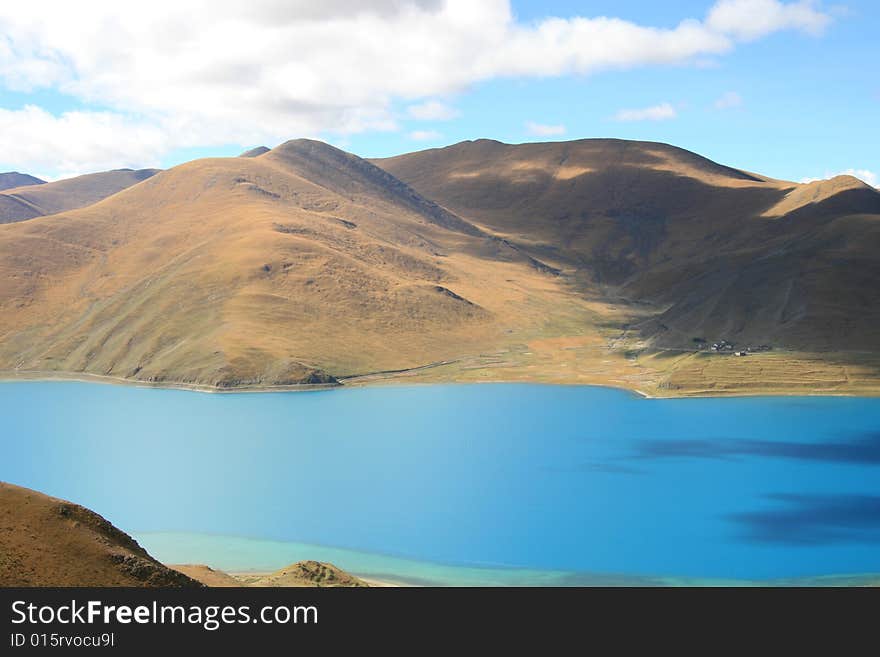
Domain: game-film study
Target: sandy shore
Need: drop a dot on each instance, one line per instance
(245, 576)
(394, 380)
(84, 377)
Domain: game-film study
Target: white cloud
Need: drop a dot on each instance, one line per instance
(864, 175)
(661, 112)
(544, 130)
(752, 19)
(729, 100)
(215, 72)
(78, 142)
(424, 135)
(432, 110)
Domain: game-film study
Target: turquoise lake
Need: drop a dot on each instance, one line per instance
(465, 484)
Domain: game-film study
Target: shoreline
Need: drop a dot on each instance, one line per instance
(10, 376)
(249, 557)
(396, 378)
(374, 582)
(614, 580)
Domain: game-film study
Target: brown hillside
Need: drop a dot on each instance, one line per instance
(839, 195)
(707, 251)
(45, 541)
(595, 261)
(309, 573)
(21, 203)
(298, 266)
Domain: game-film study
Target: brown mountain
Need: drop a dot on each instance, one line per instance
(297, 266)
(12, 179)
(715, 252)
(45, 541)
(596, 261)
(30, 200)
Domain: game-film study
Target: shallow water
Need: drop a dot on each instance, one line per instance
(524, 481)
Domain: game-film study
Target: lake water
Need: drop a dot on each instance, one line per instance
(465, 484)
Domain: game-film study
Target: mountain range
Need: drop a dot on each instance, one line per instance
(634, 264)
(26, 200)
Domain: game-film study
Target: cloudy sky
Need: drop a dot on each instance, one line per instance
(790, 89)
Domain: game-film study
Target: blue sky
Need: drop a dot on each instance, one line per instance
(798, 97)
(810, 106)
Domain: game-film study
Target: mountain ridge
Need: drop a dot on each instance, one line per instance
(592, 261)
(47, 541)
(30, 201)
(671, 221)
(11, 179)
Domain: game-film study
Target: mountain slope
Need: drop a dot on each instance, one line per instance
(12, 179)
(716, 252)
(45, 541)
(21, 203)
(595, 261)
(840, 195)
(603, 205)
(348, 174)
(297, 266)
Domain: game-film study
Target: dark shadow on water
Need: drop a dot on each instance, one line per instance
(813, 520)
(861, 449)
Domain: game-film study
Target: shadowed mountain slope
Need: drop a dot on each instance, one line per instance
(21, 203)
(717, 252)
(45, 541)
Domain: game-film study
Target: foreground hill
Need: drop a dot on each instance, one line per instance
(29, 200)
(309, 573)
(299, 574)
(45, 541)
(595, 261)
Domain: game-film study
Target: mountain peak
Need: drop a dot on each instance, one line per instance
(842, 194)
(328, 166)
(12, 179)
(848, 181)
(303, 146)
(255, 152)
